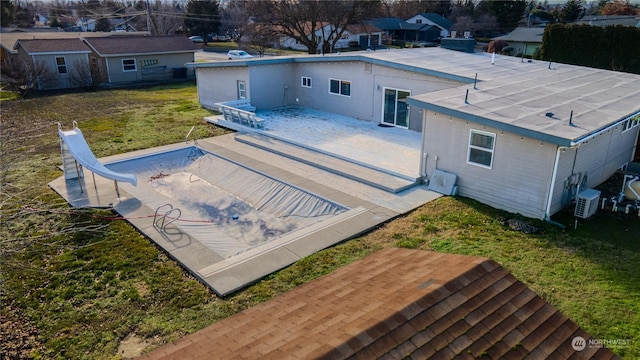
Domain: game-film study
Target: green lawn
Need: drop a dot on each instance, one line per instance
(76, 282)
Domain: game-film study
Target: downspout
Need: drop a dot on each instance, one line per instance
(547, 214)
(423, 152)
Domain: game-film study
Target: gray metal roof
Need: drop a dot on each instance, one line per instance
(610, 20)
(528, 35)
(512, 94)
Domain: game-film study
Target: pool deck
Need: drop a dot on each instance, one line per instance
(313, 171)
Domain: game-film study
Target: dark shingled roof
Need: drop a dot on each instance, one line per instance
(439, 19)
(35, 46)
(130, 45)
(396, 303)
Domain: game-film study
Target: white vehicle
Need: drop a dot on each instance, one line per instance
(196, 39)
(238, 54)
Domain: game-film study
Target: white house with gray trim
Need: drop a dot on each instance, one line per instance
(523, 136)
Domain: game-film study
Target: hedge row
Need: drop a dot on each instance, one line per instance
(611, 47)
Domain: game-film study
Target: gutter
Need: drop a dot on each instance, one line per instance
(598, 132)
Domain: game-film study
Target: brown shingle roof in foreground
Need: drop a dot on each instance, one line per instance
(395, 303)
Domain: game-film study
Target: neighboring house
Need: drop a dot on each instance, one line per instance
(116, 60)
(59, 63)
(525, 138)
(122, 25)
(524, 40)
(132, 59)
(401, 31)
(40, 20)
(434, 19)
(397, 304)
(85, 24)
(360, 35)
(610, 20)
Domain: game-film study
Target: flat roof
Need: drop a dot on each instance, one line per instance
(511, 94)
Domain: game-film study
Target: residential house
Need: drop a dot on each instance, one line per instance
(402, 32)
(362, 35)
(40, 20)
(524, 40)
(58, 63)
(610, 20)
(355, 35)
(85, 24)
(523, 136)
(134, 59)
(434, 19)
(115, 60)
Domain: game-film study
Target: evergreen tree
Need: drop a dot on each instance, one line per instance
(8, 12)
(508, 13)
(203, 17)
(571, 11)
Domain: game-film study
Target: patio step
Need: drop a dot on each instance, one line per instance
(377, 178)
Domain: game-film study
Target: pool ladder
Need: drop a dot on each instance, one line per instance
(195, 140)
(160, 219)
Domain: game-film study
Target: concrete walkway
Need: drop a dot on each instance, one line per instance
(369, 207)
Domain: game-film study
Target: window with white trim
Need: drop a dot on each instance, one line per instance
(481, 147)
(306, 81)
(61, 64)
(242, 90)
(340, 87)
(129, 65)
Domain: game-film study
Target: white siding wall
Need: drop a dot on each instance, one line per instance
(272, 86)
(520, 175)
(266, 85)
(367, 82)
(217, 85)
(597, 158)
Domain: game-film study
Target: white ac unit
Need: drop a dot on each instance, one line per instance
(587, 203)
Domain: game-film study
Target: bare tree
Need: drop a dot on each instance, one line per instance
(258, 37)
(166, 19)
(25, 76)
(462, 24)
(406, 9)
(84, 76)
(236, 18)
(304, 20)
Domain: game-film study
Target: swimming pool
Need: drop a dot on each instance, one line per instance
(227, 206)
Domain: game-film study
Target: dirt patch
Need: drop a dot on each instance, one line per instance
(141, 288)
(132, 346)
(18, 336)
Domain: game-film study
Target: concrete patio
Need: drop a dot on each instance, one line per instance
(373, 196)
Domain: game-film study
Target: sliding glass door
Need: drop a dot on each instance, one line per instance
(395, 110)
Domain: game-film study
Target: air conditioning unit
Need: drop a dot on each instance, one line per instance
(587, 203)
